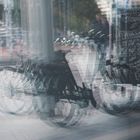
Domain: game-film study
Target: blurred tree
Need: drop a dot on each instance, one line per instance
(85, 8)
(74, 15)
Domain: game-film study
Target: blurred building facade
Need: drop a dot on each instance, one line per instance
(34, 17)
(112, 9)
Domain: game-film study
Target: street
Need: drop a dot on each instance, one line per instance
(99, 126)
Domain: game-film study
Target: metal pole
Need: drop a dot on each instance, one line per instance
(110, 30)
(8, 5)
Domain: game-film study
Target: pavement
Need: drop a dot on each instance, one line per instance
(100, 126)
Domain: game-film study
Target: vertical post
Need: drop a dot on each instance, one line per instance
(65, 16)
(110, 30)
(8, 5)
(40, 29)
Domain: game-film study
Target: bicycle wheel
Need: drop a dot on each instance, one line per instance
(59, 108)
(116, 99)
(14, 87)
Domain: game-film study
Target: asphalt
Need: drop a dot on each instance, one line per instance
(98, 126)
